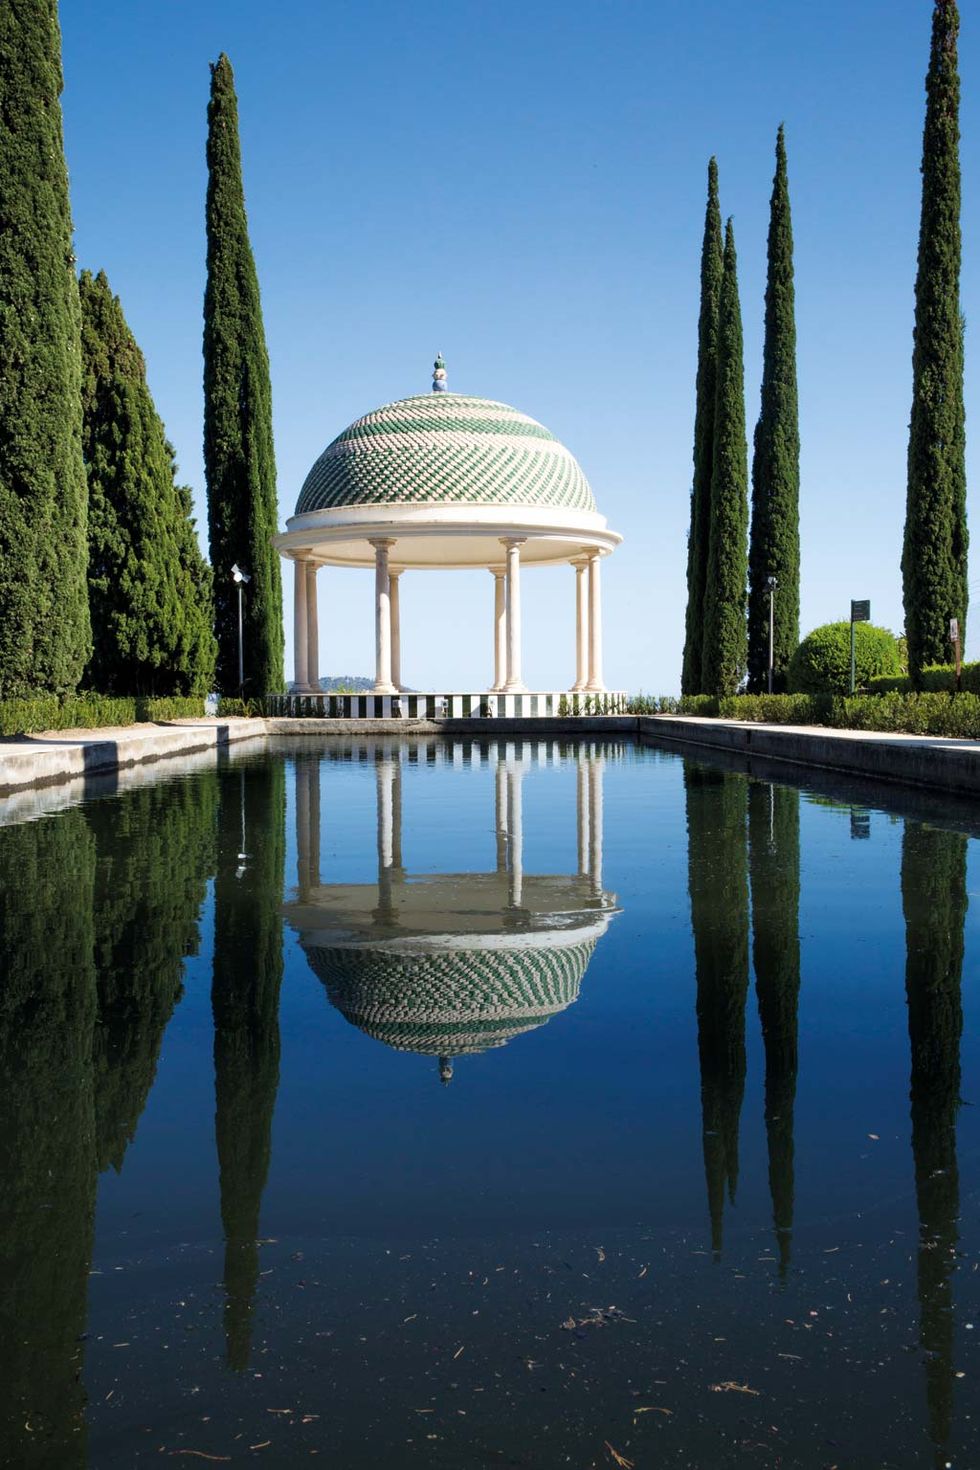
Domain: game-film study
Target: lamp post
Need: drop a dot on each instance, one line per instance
(240, 578)
(771, 585)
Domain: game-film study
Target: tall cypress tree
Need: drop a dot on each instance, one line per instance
(704, 438)
(44, 625)
(774, 549)
(774, 865)
(47, 1138)
(723, 657)
(245, 985)
(149, 586)
(718, 887)
(934, 555)
(239, 461)
(155, 853)
(934, 900)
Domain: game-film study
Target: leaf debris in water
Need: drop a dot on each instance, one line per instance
(619, 1459)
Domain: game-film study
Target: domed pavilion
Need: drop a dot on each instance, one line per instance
(444, 480)
(451, 964)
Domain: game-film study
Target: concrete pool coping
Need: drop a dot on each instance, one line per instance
(938, 762)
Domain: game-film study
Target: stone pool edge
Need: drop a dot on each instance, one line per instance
(936, 762)
(65, 755)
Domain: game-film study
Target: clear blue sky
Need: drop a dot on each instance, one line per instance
(522, 187)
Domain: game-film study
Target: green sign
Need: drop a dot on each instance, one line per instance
(860, 612)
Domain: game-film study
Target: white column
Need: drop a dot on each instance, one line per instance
(595, 823)
(300, 626)
(396, 814)
(313, 629)
(595, 683)
(514, 683)
(384, 779)
(581, 565)
(500, 811)
(515, 825)
(499, 629)
(382, 619)
(396, 628)
(582, 814)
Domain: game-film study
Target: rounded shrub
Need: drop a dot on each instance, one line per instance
(822, 662)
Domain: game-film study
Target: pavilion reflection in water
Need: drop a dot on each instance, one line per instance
(452, 964)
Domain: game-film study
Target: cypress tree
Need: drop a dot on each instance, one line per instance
(155, 853)
(47, 1138)
(245, 984)
(934, 900)
(723, 657)
(44, 625)
(774, 549)
(149, 586)
(934, 554)
(239, 462)
(774, 866)
(718, 887)
(704, 421)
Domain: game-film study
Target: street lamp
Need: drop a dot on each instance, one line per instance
(771, 585)
(240, 577)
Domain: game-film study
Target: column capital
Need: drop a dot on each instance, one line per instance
(512, 542)
(394, 573)
(579, 562)
(498, 572)
(381, 543)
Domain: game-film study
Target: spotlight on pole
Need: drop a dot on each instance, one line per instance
(240, 578)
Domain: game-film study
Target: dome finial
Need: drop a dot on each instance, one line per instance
(445, 1070)
(439, 384)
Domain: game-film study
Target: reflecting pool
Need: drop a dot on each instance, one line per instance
(461, 1105)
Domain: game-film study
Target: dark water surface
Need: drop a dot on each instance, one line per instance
(457, 1106)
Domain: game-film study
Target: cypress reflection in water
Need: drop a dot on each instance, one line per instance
(155, 854)
(934, 901)
(774, 863)
(47, 1136)
(245, 999)
(718, 886)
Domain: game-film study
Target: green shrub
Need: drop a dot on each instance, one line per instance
(914, 714)
(888, 684)
(173, 707)
(935, 679)
(245, 708)
(698, 704)
(822, 662)
(777, 709)
(892, 712)
(74, 711)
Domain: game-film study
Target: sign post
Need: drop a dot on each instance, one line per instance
(954, 638)
(860, 613)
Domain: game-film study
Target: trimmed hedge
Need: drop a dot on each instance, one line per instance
(899, 711)
(936, 679)
(91, 712)
(246, 709)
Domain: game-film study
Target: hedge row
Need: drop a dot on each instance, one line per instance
(897, 711)
(90, 712)
(936, 679)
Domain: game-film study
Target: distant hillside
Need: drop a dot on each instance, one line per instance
(345, 684)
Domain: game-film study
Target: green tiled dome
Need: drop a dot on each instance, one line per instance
(450, 1002)
(446, 449)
